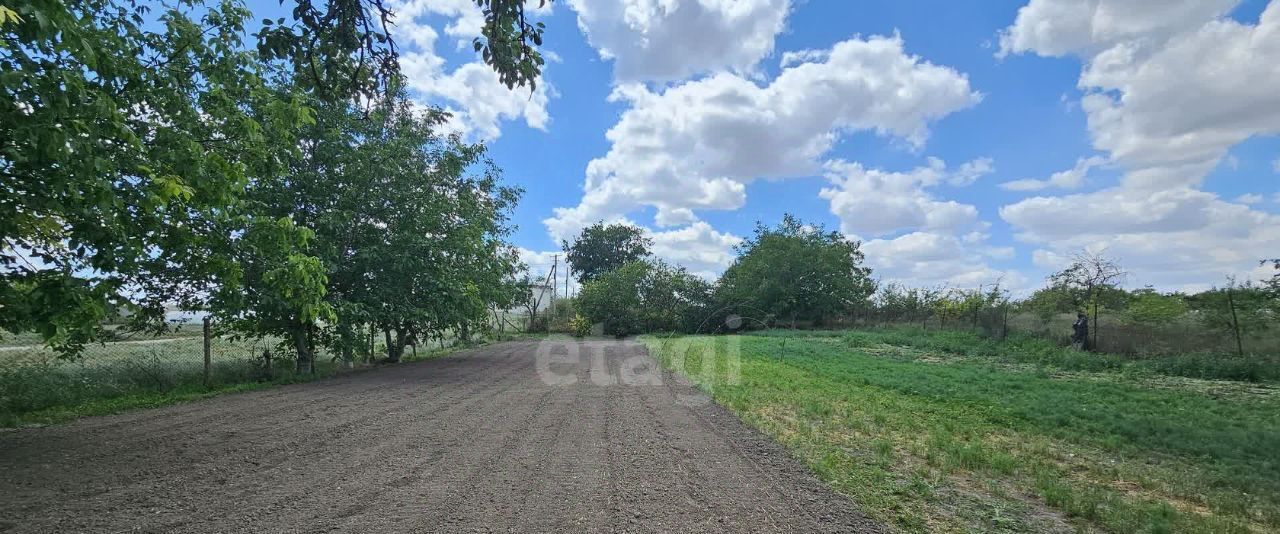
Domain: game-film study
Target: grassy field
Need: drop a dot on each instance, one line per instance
(936, 431)
(37, 387)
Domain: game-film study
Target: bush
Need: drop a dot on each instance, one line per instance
(580, 326)
(643, 297)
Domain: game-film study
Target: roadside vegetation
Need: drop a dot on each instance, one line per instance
(39, 387)
(799, 275)
(272, 176)
(939, 431)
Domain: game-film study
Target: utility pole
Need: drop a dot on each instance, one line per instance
(555, 263)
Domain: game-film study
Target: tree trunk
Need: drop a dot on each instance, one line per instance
(396, 346)
(1094, 344)
(386, 335)
(401, 341)
(300, 344)
(1004, 322)
(311, 349)
(348, 335)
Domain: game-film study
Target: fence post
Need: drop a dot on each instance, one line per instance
(1235, 322)
(1004, 322)
(208, 360)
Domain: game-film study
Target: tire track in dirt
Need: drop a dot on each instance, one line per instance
(477, 442)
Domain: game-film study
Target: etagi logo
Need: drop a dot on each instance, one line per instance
(687, 364)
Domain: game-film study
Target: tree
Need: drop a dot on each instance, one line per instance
(797, 271)
(409, 240)
(342, 49)
(128, 140)
(645, 296)
(602, 248)
(1236, 310)
(896, 302)
(1088, 279)
(125, 142)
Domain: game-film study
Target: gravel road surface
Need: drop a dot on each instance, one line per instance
(495, 439)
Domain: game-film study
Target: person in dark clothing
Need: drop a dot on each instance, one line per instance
(1080, 332)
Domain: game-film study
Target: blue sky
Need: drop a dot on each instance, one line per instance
(963, 142)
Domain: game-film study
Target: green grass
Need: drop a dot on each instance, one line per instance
(1027, 349)
(929, 439)
(36, 387)
(141, 399)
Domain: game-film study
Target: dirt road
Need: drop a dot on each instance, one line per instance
(492, 440)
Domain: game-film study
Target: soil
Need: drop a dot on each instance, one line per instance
(478, 442)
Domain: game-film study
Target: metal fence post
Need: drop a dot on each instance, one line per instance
(208, 359)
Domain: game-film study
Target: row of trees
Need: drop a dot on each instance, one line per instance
(983, 308)
(785, 274)
(1234, 310)
(801, 274)
(290, 189)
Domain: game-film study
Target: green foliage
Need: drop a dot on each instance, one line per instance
(342, 49)
(1034, 350)
(508, 43)
(1244, 307)
(900, 303)
(1050, 301)
(1146, 306)
(580, 326)
(795, 271)
(642, 297)
(409, 230)
(127, 138)
(602, 248)
(152, 160)
(8, 15)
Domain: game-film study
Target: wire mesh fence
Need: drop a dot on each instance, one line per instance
(34, 377)
(1111, 332)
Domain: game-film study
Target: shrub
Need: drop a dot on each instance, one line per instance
(579, 326)
(642, 297)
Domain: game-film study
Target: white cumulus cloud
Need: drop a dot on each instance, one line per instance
(916, 238)
(1174, 238)
(1170, 87)
(874, 202)
(925, 259)
(1072, 178)
(471, 92)
(695, 145)
(697, 247)
(664, 40)
(1062, 27)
